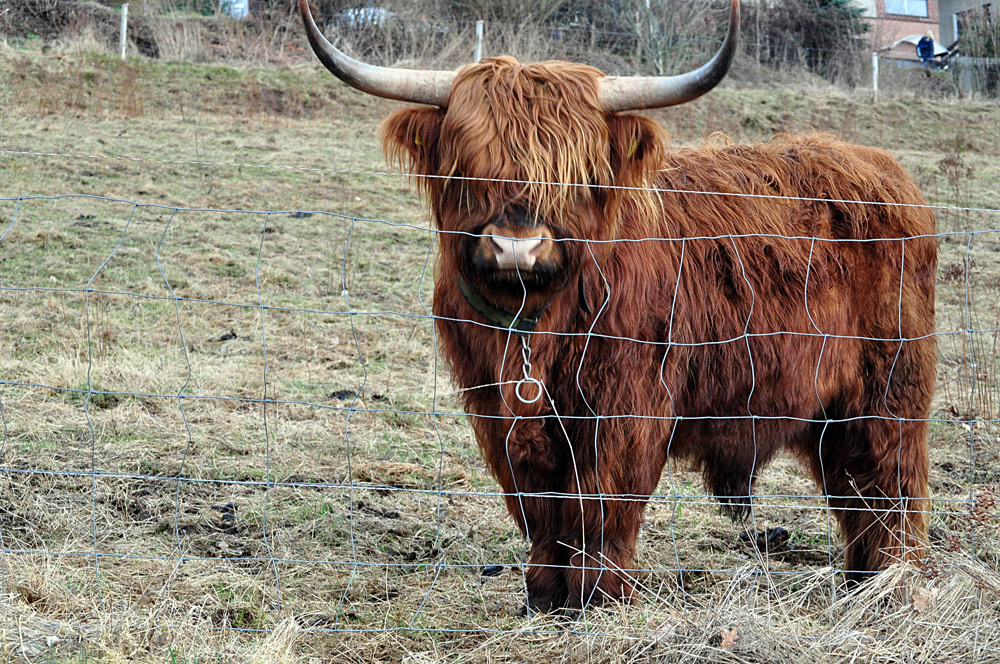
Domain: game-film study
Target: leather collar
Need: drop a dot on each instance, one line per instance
(495, 315)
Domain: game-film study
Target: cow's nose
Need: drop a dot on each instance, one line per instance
(515, 252)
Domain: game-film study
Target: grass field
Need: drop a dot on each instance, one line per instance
(214, 277)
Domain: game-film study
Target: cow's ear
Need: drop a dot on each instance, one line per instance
(410, 137)
(638, 147)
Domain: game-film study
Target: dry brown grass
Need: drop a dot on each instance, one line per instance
(186, 573)
(178, 40)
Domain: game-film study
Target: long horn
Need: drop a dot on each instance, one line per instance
(421, 87)
(625, 93)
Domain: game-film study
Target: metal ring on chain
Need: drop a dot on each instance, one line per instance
(534, 381)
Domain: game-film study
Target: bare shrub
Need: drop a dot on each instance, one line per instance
(509, 11)
(980, 34)
(82, 38)
(5, 20)
(979, 39)
(391, 41)
(42, 8)
(177, 39)
(912, 82)
(823, 36)
(670, 36)
(176, 7)
(269, 37)
(529, 43)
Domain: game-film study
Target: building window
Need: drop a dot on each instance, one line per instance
(907, 7)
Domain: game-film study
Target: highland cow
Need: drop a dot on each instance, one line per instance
(713, 306)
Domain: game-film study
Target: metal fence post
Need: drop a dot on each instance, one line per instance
(124, 39)
(875, 76)
(479, 41)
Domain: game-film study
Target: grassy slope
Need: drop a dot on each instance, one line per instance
(216, 137)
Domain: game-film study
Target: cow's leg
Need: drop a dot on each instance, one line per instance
(875, 472)
(544, 576)
(546, 583)
(523, 461)
(601, 555)
(600, 525)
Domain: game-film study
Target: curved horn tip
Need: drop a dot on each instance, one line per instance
(626, 93)
(420, 87)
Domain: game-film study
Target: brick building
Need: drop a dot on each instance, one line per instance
(891, 20)
(894, 19)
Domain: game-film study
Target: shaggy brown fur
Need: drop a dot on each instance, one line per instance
(746, 325)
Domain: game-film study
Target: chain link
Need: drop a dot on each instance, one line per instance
(525, 357)
(526, 370)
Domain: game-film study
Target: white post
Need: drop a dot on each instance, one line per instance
(479, 41)
(124, 39)
(875, 76)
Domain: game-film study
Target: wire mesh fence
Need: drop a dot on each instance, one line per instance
(233, 420)
(241, 415)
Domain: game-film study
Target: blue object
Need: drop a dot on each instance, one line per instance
(925, 49)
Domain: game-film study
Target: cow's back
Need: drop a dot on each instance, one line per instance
(787, 270)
